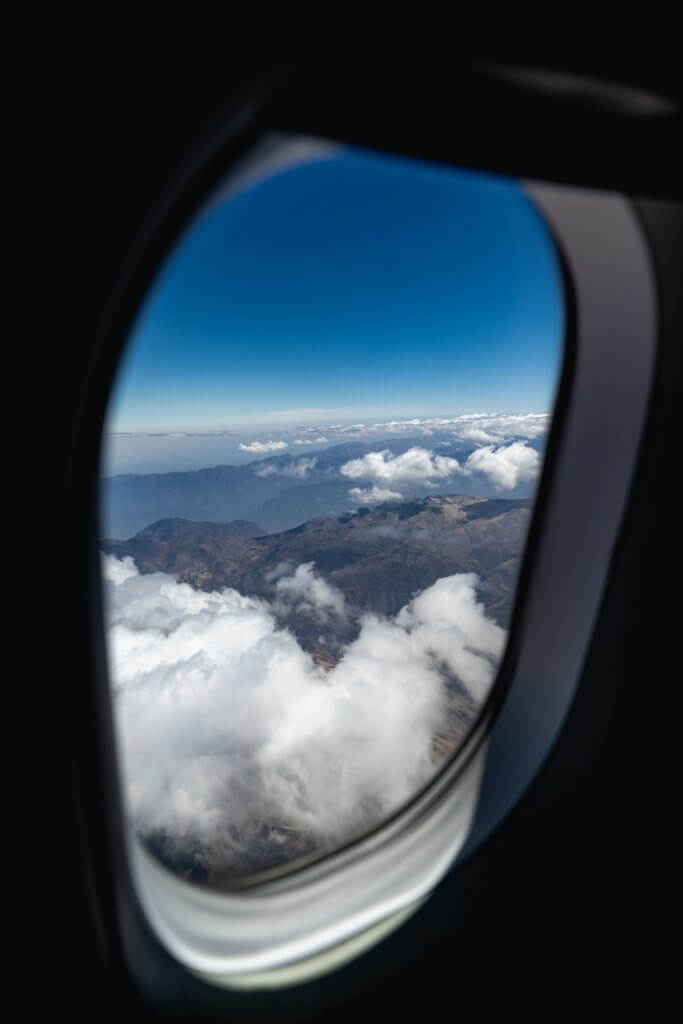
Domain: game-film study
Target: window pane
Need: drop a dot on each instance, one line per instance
(320, 458)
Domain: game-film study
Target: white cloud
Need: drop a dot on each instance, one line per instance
(296, 469)
(506, 466)
(262, 447)
(225, 723)
(299, 468)
(268, 469)
(281, 569)
(477, 434)
(415, 466)
(487, 428)
(373, 495)
(496, 428)
(309, 593)
(312, 440)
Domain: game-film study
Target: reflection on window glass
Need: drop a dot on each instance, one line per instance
(317, 473)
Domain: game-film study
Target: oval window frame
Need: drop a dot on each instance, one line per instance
(224, 968)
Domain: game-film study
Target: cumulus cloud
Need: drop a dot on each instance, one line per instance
(263, 447)
(373, 495)
(415, 466)
(311, 440)
(506, 466)
(281, 569)
(477, 434)
(296, 469)
(305, 592)
(226, 725)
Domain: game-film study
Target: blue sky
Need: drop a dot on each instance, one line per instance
(355, 285)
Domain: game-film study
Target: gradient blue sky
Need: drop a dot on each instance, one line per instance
(353, 286)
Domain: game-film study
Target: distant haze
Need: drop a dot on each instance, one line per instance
(178, 450)
(283, 478)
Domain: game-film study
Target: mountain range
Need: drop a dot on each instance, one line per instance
(278, 492)
(378, 557)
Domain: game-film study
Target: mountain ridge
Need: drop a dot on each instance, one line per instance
(278, 492)
(377, 557)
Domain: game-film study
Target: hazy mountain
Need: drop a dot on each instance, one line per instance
(378, 558)
(279, 492)
(222, 493)
(219, 494)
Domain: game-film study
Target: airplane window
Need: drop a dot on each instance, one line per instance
(319, 465)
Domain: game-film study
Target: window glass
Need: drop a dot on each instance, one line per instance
(319, 462)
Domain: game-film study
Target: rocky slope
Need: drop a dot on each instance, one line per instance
(378, 558)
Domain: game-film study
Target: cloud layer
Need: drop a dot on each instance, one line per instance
(481, 427)
(507, 466)
(263, 447)
(226, 725)
(416, 466)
